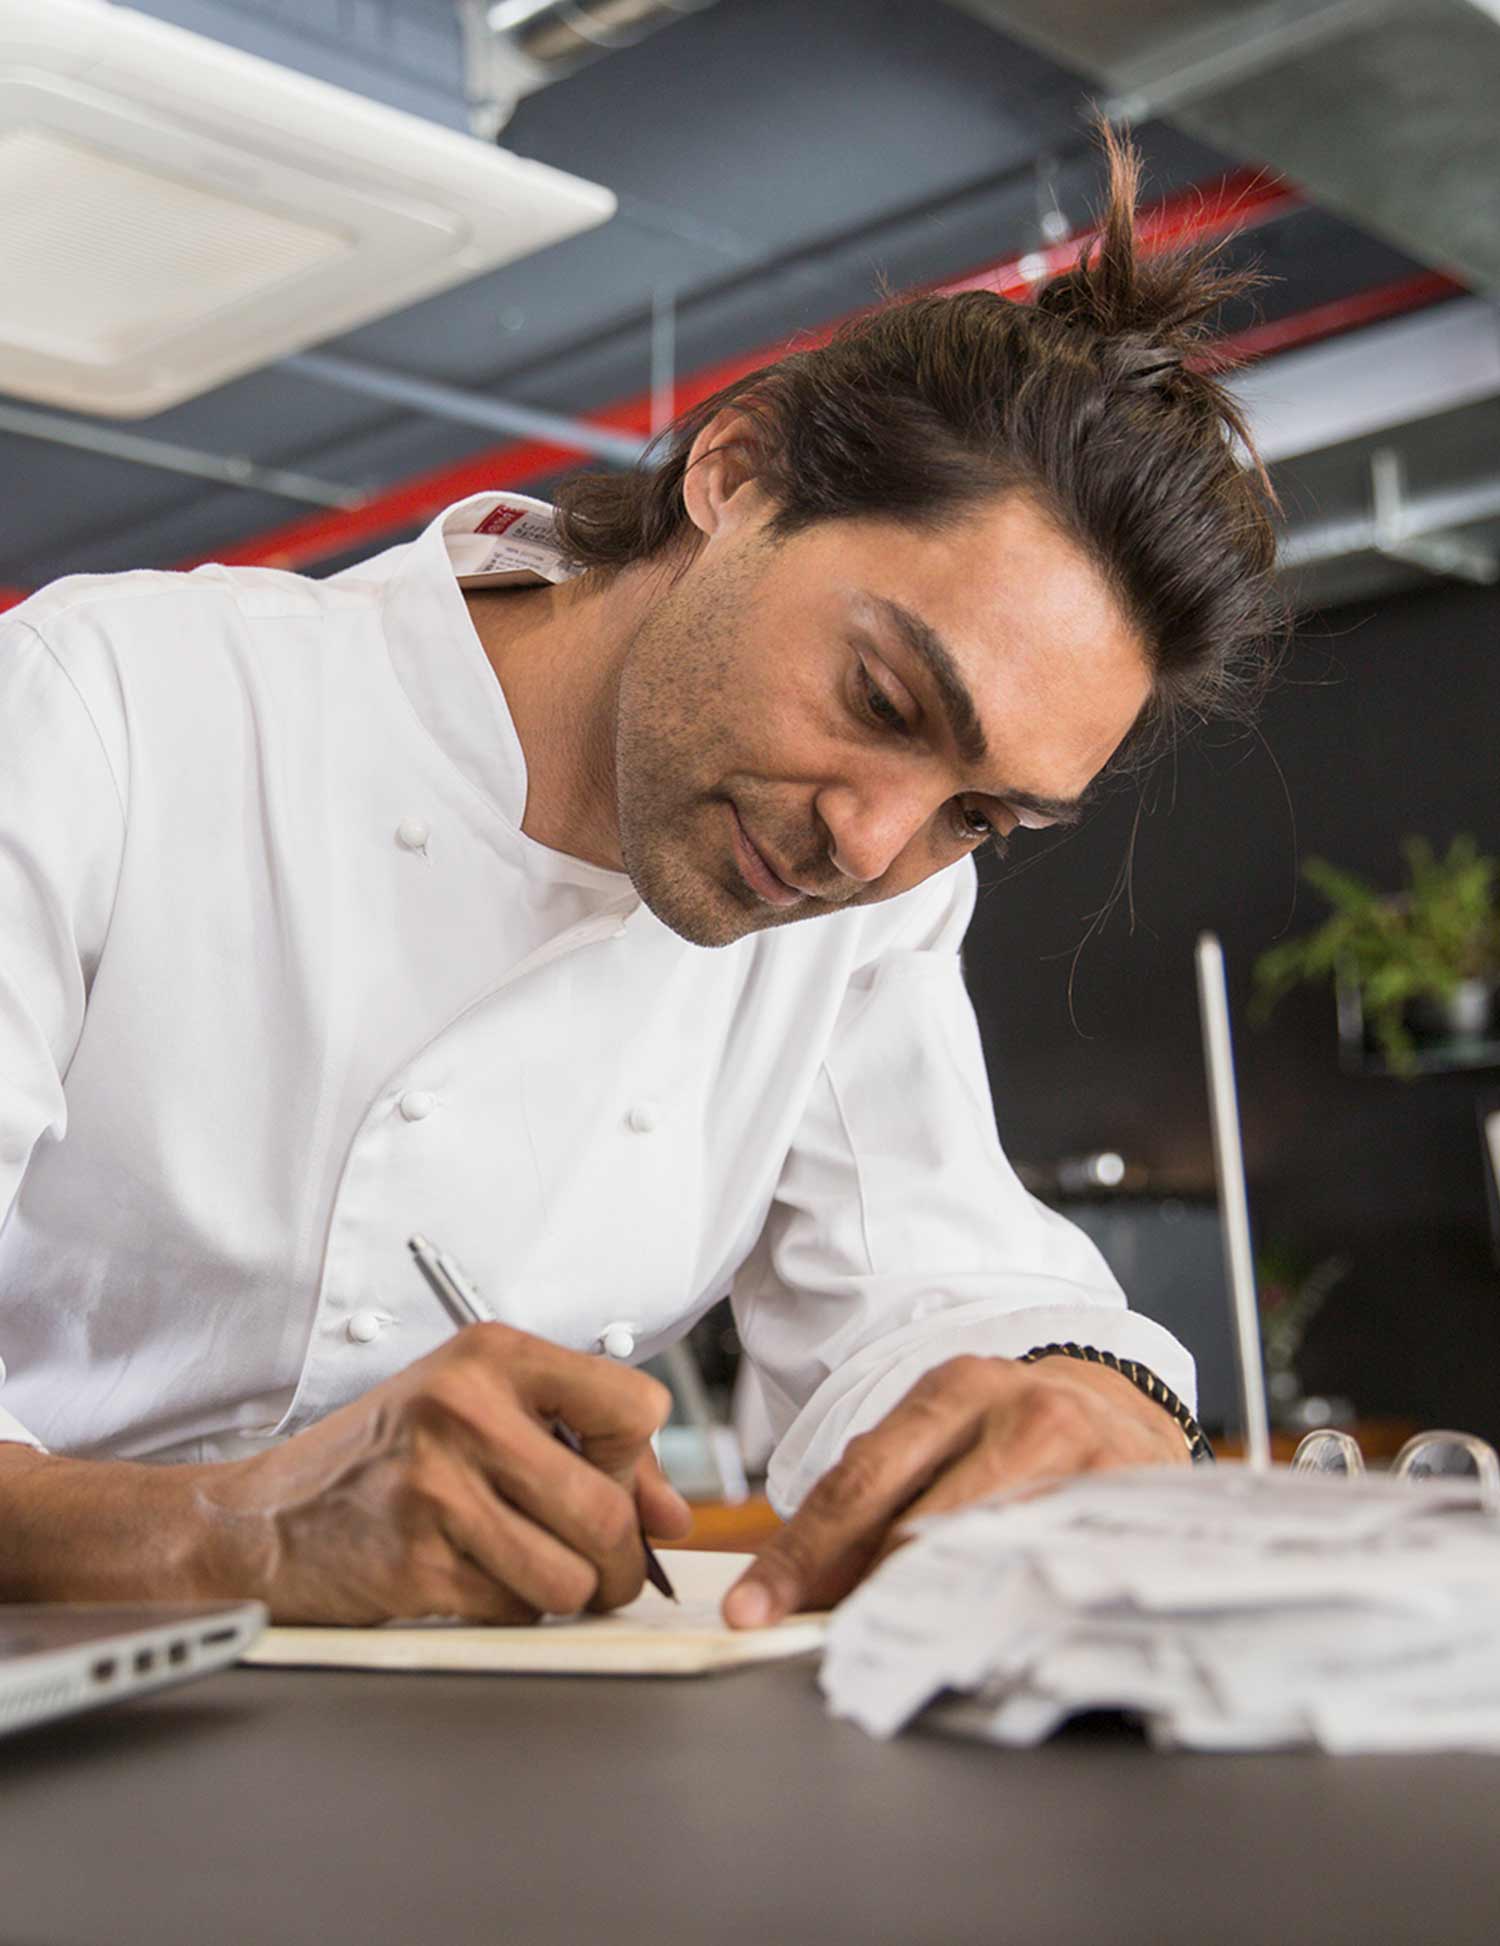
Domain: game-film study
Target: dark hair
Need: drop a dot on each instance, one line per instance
(1093, 400)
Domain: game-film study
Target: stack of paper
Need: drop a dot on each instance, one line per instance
(1226, 1609)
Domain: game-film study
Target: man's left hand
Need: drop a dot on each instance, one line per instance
(965, 1430)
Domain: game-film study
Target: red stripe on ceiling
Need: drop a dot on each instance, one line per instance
(1241, 201)
(1339, 314)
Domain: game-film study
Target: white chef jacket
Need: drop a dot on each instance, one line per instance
(282, 980)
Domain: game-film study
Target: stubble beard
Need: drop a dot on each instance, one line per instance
(674, 752)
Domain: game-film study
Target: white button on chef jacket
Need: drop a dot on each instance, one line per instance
(218, 972)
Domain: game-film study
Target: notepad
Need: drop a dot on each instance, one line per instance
(650, 1637)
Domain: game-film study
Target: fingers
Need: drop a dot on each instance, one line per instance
(444, 1490)
(590, 1513)
(597, 1499)
(525, 1565)
(969, 1429)
(613, 1409)
(665, 1515)
(467, 1592)
(827, 1546)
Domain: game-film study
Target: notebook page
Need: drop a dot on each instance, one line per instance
(651, 1636)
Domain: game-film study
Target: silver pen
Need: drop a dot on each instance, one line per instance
(454, 1289)
(459, 1296)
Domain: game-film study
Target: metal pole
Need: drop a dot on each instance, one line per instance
(1234, 1202)
(1425, 518)
(453, 402)
(663, 360)
(226, 469)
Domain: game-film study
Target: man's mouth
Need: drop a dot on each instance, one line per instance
(756, 871)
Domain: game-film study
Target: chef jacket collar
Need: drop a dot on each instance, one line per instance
(490, 540)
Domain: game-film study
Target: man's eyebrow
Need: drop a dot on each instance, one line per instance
(936, 658)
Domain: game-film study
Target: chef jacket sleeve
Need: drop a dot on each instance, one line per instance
(899, 1235)
(62, 826)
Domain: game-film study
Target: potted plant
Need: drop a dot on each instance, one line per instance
(1291, 1292)
(1422, 961)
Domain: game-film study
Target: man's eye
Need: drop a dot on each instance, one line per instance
(974, 825)
(878, 706)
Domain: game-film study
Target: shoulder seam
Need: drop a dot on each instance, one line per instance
(57, 662)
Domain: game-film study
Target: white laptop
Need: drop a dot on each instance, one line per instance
(58, 1658)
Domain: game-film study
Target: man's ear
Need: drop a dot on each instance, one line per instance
(720, 492)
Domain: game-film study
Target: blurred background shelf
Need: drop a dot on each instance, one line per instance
(737, 1529)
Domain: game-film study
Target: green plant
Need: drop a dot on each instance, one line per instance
(1444, 928)
(1290, 1293)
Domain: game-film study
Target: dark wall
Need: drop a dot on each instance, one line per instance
(1386, 723)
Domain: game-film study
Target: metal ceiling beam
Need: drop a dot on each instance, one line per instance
(1383, 109)
(1431, 518)
(225, 469)
(1405, 536)
(468, 408)
(1389, 376)
(1133, 44)
(1201, 62)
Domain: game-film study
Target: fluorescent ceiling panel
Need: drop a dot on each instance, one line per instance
(174, 213)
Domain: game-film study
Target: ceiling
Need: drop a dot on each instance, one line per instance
(776, 161)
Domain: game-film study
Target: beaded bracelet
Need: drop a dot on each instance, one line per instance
(1144, 1380)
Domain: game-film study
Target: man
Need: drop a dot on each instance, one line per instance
(464, 893)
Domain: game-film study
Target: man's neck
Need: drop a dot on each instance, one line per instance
(556, 652)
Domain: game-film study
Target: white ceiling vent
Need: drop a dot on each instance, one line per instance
(174, 213)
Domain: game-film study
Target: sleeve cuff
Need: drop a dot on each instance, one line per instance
(12, 1429)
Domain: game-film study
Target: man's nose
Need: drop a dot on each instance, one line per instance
(869, 829)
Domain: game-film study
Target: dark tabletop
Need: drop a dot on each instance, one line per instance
(425, 1810)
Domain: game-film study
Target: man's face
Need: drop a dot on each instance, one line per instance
(792, 734)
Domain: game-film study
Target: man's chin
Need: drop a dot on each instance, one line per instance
(705, 913)
(701, 919)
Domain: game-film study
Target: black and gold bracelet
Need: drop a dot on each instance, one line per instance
(1144, 1380)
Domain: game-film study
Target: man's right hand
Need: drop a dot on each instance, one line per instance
(444, 1492)
(440, 1492)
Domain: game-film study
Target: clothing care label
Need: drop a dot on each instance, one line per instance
(507, 541)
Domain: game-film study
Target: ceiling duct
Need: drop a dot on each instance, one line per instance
(1386, 110)
(174, 212)
(514, 47)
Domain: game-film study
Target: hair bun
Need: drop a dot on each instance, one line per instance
(1148, 364)
(1157, 305)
